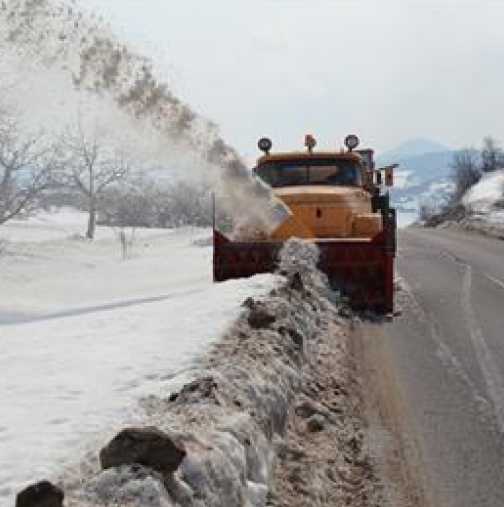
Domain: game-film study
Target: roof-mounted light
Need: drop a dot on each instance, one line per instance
(310, 142)
(352, 142)
(265, 145)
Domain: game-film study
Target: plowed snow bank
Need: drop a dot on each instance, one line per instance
(231, 422)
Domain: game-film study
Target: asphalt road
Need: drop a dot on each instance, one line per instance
(447, 352)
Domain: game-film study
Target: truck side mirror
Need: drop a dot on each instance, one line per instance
(389, 176)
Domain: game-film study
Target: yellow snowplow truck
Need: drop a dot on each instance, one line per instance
(337, 199)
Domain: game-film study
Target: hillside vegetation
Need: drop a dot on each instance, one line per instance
(476, 200)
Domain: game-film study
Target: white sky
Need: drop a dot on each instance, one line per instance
(388, 70)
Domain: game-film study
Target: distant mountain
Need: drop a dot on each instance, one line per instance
(412, 148)
(423, 177)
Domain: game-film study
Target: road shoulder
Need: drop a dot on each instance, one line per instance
(391, 434)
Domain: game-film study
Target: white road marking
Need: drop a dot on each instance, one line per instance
(497, 282)
(445, 354)
(490, 371)
(489, 368)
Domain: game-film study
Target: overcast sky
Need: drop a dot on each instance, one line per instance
(388, 70)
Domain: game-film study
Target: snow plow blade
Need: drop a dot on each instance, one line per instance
(362, 269)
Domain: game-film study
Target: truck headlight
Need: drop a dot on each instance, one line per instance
(352, 142)
(265, 145)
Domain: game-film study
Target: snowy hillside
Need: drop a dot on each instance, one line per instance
(423, 176)
(485, 200)
(413, 148)
(85, 334)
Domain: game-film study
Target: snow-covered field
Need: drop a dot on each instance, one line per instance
(84, 334)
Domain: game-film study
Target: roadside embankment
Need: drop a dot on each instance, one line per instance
(491, 225)
(488, 224)
(271, 418)
(481, 208)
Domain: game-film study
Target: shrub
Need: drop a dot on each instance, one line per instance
(144, 203)
(465, 173)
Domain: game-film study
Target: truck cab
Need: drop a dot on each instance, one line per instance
(330, 194)
(335, 200)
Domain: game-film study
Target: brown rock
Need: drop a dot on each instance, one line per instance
(202, 388)
(249, 303)
(294, 335)
(296, 282)
(42, 494)
(307, 408)
(149, 447)
(315, 423)
(259, 317)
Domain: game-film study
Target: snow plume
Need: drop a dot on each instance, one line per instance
(63, 58)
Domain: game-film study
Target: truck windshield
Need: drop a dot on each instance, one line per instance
(310, 172)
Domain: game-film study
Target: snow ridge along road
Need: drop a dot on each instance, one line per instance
(85, 335)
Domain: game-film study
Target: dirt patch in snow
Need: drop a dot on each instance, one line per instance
(392, 444)
(325, 459)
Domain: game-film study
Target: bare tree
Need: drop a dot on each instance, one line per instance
(133, 203)
(93, 165)
(189, 204)
(127, 206)
(492, 155)
(144, 202)
(465, 172)
(27, 166)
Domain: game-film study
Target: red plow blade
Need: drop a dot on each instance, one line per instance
(362, 269)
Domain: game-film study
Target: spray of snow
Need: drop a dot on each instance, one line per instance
(61, 64)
